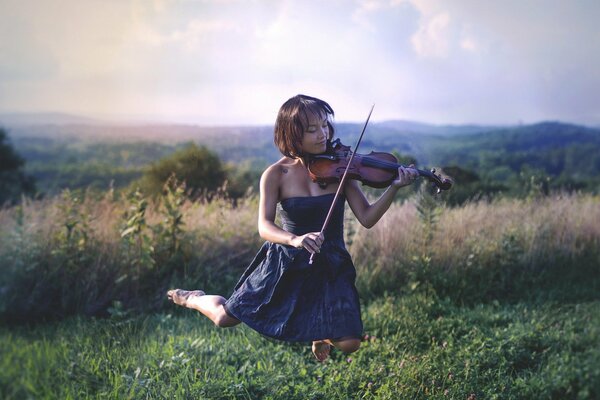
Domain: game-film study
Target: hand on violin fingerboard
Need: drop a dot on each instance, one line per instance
(406, 176)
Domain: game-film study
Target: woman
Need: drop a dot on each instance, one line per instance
(281, 294)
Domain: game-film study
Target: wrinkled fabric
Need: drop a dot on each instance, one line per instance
(282, 296)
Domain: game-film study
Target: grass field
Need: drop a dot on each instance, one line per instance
(491, 300)
(419, 347)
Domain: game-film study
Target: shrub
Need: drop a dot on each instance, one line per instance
(198, 167)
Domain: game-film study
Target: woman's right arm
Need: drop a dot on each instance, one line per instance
(267, 209)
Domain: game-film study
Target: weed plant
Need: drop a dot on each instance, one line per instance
(78, 254)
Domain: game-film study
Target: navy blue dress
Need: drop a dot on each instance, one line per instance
(282, 296)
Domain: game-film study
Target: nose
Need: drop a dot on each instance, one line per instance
(324, 131)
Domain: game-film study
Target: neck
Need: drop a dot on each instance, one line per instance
(303, 159)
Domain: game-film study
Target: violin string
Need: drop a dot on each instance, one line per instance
(371, 162)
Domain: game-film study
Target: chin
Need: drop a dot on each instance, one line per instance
(317, 150)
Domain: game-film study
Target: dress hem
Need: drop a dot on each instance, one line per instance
(294, 340)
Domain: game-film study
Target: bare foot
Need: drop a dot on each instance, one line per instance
(321, 350)
(180, 296)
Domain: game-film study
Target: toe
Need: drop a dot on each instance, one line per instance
(321, 350)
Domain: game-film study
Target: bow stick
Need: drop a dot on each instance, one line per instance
(343, 180)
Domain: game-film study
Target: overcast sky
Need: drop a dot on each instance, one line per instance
(236, 61)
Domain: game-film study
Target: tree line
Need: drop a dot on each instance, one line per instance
(515, 162)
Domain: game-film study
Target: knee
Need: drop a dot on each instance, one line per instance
(224, 320)
(221, 320)
(349, 346)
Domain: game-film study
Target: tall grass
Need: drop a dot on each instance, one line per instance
(77, 253)
(482, 249)
(82, 254)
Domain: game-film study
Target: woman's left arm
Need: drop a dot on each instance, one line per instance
(368, 214)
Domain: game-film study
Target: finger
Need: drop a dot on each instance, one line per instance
(318, 237)
(310, 240)
(308, 247)
(318, 243)
(311, 246)
(319, 240)
(406, 174)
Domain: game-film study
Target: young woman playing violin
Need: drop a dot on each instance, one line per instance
(281, 294)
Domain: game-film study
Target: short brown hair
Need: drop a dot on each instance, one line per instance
(292, 119)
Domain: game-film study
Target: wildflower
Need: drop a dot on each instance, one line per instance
(349, 359)
(369, 385)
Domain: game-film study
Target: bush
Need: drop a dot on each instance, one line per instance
(199, 168)
(13, 181)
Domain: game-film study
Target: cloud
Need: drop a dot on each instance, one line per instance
(239, 59)
(432, 38)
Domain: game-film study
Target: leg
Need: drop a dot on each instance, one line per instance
(347, 344)
(321, 348)
(208, 305)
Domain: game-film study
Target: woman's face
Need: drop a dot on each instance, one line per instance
(314, 140)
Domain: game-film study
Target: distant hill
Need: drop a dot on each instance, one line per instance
(18, 119)
(534, 138)
(567, 152)
(563, 151)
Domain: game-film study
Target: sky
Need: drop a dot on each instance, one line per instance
(228, 62)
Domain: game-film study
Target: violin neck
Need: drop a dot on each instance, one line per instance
(390, 166)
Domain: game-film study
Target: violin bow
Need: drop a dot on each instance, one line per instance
(343, 180)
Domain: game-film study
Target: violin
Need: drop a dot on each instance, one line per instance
(376, 169)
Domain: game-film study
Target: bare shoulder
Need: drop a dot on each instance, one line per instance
(275, 172)
(279, 168)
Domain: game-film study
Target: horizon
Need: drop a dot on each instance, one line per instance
(22, 119)
(234, 62)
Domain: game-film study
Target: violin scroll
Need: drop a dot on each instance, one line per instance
(438, 181)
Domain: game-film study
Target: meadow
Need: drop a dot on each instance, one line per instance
(419, 346)
(494, 299)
